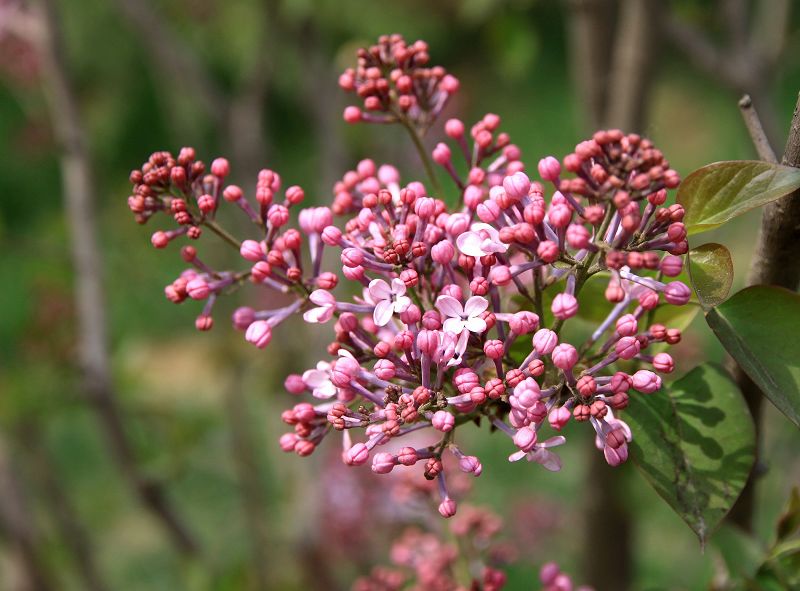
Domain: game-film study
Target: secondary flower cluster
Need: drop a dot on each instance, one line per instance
(460, 312)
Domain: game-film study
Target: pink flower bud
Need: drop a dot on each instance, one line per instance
(615, 457)
(407, 456)
(443, 421)
(549, 168)
(564, 306)
(586, 386)
(331, 236)
(454, 128)
(384, 369)
(352, 257)
(288, 441)
(278, 215)
(517, 185)
(547, 251)
(549, 572)
(677, 293)
(663, 362)
(646, 381)
(243, 317)
(523, 322)
(578, 236)
(424, 207)
(251, 251)
(232, 193)
(443, 252)
(357, 455)
(220, 167)
(352, 114)
(525, 439)
(427, 342)
(488, 211)
(294, 384)
(559, 215)
(447, 508)
(559, 417)
(544, 341)
(564, 356)
(627, 325)
(671, 266)
(627, 347)
(259, 333)
(343, 370)
(441, 154)
(198, 289)
(493, 348)
(470, 465)
(382, 463)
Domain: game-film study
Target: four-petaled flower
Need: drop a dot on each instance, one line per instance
(482, 239)
(387, 299)
(458, 318)
(541, 455)
(451, 347)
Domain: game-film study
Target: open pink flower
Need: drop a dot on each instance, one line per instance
(541, 454)
(482, 239)
(460, 318)
(327, 306)
(388, 299)
(319, 380)
(450, 348)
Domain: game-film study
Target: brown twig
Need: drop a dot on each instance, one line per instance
(17, 521)
(73, 534)
(774, 262)
(247, 470)
(590, 32)
(756, 130)
(90, 302)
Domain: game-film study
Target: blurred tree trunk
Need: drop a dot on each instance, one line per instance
(614, 57)
(80, 202)
(18, 523)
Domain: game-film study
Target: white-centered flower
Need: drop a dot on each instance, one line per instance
(480, 240)
(388, 299)
(459, 318)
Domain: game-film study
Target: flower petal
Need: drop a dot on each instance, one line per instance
(454, 325)
(470, 244)
(325, 391)
(318, 315)
(401, 304)
(398, 287)
(475, 306)
(475, 324)
(313, 378)
(322, 297)
(383, 312)
(379, 290)
(449, 306)
(547, 459)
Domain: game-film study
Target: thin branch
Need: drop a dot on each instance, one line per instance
(73, 534)
(79, 196)
(247, 470)
(774, 262)
(756, 130)
(590, 30)
(18, 522)
(632, 66)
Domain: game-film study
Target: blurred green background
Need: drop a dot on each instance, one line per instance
(203, 408)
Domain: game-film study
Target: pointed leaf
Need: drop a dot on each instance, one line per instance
(760, 328)
(694, 442)
(789, 522)
(719, 192)
(711, 273)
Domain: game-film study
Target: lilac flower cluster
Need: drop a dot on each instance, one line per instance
(460, 310)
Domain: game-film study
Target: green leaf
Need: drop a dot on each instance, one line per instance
(760, 328)
(711, 273)
(789, 522)
(742, 553)
(694, 442)
(719, 192)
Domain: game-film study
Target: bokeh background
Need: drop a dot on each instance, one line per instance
(256, 82)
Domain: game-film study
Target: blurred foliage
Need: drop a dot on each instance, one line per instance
(511, 58)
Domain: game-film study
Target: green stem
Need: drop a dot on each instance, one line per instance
(423, 154)
(222, 233)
